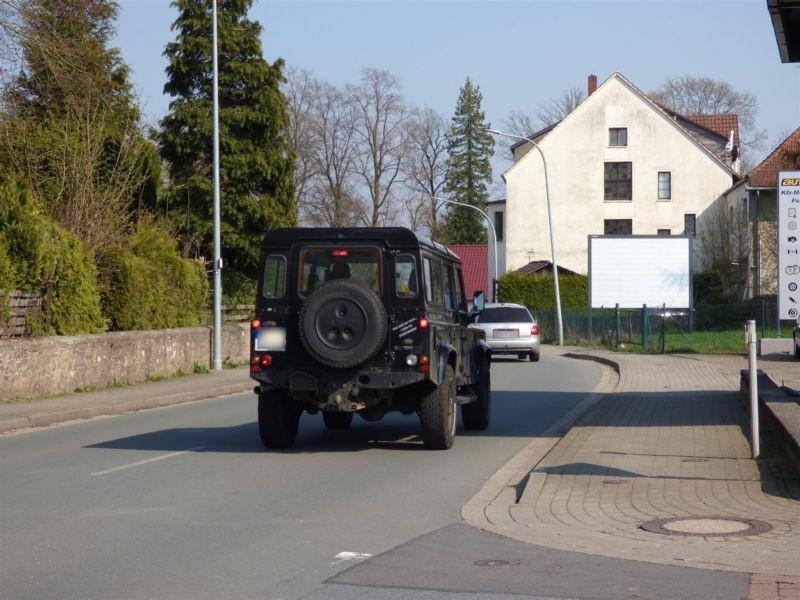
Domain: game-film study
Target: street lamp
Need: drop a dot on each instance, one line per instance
(217, 346)
(550, 223)
(494, 236)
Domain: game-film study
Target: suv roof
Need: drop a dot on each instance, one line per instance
(399, 237)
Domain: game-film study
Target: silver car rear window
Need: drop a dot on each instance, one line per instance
(504, 314)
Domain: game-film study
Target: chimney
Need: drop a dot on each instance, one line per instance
(592, 84)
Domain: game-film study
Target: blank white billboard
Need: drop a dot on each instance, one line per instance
(635, 270)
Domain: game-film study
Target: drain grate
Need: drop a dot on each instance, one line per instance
(707, 526)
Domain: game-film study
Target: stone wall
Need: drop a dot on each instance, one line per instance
(47, 366)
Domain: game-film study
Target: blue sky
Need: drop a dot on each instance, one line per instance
(521, 53)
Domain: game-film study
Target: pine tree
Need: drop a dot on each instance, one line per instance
(256, 163)
(470, 148)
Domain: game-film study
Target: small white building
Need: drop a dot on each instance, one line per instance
(618, 164)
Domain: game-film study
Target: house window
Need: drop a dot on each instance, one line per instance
(689, 224)
(618, 226)
(664, 185)
(664, 232)
(618, 180)
(618, 136)
(498, 225)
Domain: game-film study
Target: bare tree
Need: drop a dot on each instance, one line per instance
(299, 89)
(424, 169)
(334, 155)
(723, 241)
(705, 96)
(524, 125)
(68, 123)
(382, 134)
(520, 123)
(560, 106)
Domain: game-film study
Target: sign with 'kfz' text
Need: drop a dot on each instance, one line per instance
(789, 244)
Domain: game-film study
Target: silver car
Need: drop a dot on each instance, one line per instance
(510, 329)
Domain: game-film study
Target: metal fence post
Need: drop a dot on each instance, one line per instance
(590, 325)
(753, 366)
(602, 324)
(644, 326)
(618, 325)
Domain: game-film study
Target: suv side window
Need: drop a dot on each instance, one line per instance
(437, 280)
(405, 276)
(426, 268)
(459, 282)
(449, 289)
(274, 282)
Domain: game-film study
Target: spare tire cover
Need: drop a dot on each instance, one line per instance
(343, 324)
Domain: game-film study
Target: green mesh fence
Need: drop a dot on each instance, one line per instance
(655, 329)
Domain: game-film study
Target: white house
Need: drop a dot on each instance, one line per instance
(618, 164)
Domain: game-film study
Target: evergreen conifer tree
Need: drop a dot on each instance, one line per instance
(468, 171)
(256, 163)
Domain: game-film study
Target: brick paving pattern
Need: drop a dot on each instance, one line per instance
(668, 440)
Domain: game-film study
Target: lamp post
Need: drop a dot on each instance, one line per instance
(494, 236)
(550, 224)
(217, 346)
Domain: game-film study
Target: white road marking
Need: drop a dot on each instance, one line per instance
(144, 462)
(350, 556)
(409, 438)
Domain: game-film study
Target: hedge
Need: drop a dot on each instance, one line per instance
(537, 292)
(42, 253)
(147, 285)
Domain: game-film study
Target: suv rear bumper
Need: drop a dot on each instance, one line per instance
(338, 391)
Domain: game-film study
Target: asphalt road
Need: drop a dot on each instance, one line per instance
(183, 502)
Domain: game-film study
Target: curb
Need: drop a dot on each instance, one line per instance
(502, 488)
(45, 419)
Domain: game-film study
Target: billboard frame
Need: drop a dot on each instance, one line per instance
(690, 266)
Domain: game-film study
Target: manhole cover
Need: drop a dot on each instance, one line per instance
(707, 526)
(492, 563)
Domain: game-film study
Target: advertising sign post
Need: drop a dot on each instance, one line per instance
(788, 244)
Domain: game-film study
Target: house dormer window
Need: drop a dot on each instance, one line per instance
(618, 136)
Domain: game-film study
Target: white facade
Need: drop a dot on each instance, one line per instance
(576, 151)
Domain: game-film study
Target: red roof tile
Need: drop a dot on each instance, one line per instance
(766, 174)
(474, 266)
(720, 124)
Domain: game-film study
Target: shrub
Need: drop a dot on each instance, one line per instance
(42, 253)
(147, 285)
(237, 288)
(537, 292)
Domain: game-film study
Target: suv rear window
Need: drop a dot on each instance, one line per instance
(504, 314)
(320, 264)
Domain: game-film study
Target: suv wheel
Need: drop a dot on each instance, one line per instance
(278, 419)
(337, 420)
(534, 356)
(343, 324)
(476, 414)
(437, 414)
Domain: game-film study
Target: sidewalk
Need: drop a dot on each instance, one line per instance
(663, 436)
(16, 416)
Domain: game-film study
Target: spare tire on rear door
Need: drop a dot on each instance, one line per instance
(343, 324)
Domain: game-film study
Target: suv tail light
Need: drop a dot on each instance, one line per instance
(535, 330)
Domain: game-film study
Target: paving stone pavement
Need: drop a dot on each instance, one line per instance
(667, 438)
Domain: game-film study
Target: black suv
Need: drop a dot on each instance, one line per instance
(367, 321)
